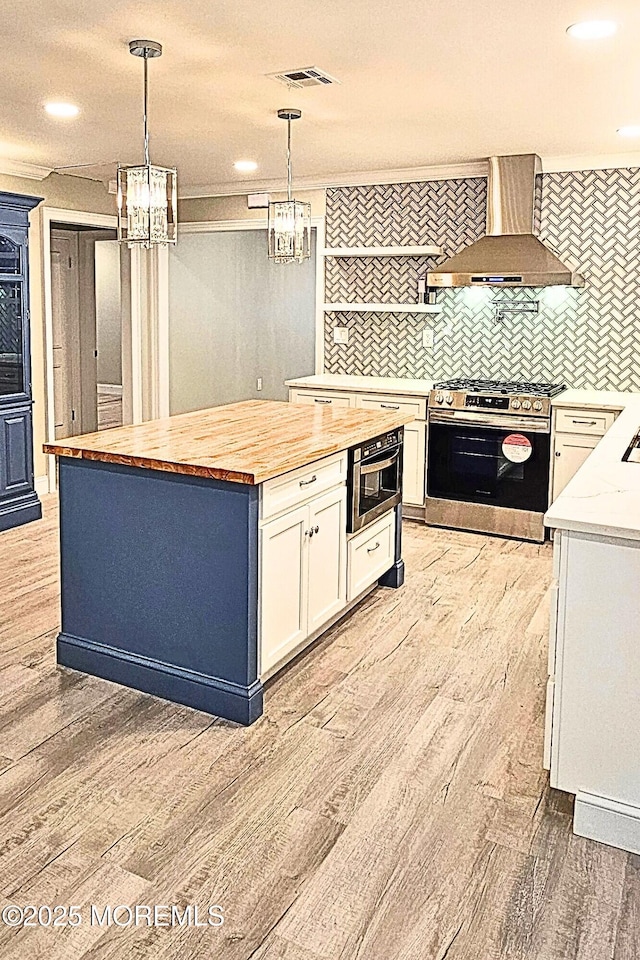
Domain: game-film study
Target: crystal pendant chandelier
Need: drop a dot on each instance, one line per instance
(289, 225)
(147, 195)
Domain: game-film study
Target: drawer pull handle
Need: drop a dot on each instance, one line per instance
(389, 406)
(316, 529)
(318, 400)
(585, 423)
(558, 454)
(305, 483)
(372, 549)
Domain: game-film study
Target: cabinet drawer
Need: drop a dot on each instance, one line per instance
(370, 553)
(416, 407)
(298, 486)
(322, 398)
(592, 422)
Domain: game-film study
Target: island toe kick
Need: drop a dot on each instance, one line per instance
(181, 587)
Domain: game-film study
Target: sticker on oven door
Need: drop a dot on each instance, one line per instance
(517, 448)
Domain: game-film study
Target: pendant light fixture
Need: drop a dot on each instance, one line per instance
(147, 195)
(289, 224)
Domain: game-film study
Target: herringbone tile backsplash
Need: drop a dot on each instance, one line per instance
(586, 337)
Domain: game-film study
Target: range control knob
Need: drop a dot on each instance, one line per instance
(515, 404)
(537, 404)
(439, 398)
(448, 399)
(526, 404)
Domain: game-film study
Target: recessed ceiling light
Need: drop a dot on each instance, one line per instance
(592, 29)
(245, 166)
(62, 110)
(631, 130)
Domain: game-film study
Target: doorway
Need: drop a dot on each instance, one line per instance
(86, 323)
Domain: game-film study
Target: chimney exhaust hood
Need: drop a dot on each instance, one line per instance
(510, 255)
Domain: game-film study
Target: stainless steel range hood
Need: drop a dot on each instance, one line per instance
(510, 255)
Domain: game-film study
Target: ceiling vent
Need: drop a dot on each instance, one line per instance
(304, 77)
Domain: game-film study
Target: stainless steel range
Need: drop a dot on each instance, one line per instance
(488, 456)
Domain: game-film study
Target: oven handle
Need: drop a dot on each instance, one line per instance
(372, 466)
(528, 424)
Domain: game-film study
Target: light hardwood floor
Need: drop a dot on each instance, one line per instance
(389, 805)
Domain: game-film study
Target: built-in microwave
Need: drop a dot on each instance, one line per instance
(374, 482)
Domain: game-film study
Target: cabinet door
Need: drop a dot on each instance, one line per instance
(16, 467)
(414, 461)
(284, 579)
(320, 398)
(571, 451)
(327, 557)
(12, 337)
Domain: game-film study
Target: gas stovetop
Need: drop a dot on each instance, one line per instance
(501, 387)
(495, 396)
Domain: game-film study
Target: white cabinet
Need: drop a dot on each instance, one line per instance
(570, 452)
(322, 398)
(284, 584)
(298, 486)
(593, 708)
(592, 422)
(413, 407)
(327, 558)
(303, 574)
(413, 471)
(576, 431)
(371, 553)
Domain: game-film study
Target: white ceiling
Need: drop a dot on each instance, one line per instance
(423, 82)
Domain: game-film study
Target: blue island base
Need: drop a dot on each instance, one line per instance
(241, 704)
(159, 583)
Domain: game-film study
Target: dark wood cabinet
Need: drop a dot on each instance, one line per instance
(18, 500)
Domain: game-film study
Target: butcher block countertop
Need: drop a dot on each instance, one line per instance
(247, 442)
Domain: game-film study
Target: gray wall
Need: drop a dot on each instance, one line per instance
(586, 337)
(233, 317)
(108, 315)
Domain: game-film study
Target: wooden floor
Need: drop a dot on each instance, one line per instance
(389, 805)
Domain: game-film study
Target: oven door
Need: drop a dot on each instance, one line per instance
(377, 486)
(498, 461)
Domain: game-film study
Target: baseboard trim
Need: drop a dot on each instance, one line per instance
(394, 577)
(42, 485)
(608, 821)
(209, 694)
(22, 510)
(114, 389)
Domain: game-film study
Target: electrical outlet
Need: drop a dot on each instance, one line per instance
(341, 335)
(259, 383)
(427, 338)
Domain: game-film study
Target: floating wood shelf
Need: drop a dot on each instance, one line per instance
(423, 250)
(382, 308)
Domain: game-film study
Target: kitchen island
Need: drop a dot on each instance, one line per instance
(201, 552)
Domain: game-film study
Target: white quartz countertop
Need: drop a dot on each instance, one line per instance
(603, 497)
(594, 399)
(340, 381)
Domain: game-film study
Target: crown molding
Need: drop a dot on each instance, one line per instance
(360, 178)
(590, 162)
(28, 171)
(453, 171)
